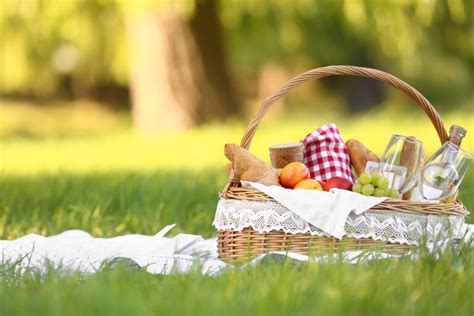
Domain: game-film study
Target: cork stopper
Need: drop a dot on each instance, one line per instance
(456, 134)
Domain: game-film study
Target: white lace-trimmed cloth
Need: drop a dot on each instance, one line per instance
(403, 228)
(328, 211)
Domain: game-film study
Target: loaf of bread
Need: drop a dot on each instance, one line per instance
(247, 167)
(359, 155)
(409, 159)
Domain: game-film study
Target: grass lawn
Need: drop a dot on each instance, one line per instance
(113, 183)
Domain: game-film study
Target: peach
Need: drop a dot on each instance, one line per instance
(309, 184)
(338, 183)
(293, 173)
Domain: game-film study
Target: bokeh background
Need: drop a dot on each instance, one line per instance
(130, 99)
(114, 115)
(177, 64)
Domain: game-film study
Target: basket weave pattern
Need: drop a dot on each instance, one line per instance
(248, 243)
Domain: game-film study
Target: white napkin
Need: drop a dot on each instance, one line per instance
(327, 211)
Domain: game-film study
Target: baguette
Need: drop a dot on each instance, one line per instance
(409, 159)
(359, 155)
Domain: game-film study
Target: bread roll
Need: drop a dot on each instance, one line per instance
(247, 167)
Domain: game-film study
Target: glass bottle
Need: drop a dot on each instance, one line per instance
(456, 135)
(444, 171)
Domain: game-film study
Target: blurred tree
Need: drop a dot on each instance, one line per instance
(178, 68)
(427, 43)
(67, 49)
(175, 56)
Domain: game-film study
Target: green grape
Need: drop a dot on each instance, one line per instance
(368, 189)
(382, 183)
(357, 187)
(364, 178)
(394, 194)
(375, 177)
(379, 192)
(386, 192)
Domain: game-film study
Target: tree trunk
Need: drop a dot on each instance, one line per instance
(207, 32)
(178, 74)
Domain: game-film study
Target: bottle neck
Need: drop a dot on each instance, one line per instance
(456, 134)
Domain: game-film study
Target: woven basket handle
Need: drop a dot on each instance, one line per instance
(345, 70)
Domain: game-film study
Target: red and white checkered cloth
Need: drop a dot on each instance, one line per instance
(326, 154)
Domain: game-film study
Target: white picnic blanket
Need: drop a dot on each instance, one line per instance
(78, 251)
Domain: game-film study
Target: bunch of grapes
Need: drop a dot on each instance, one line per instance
(374, 184)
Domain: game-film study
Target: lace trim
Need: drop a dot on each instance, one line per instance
(394, 227)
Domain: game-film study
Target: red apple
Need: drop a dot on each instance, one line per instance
(308, 184)
(338, 183)
(293, 173)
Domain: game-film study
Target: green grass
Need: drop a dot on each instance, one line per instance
(109, 204)
(113, 183)
(423, 287)
(30, 145)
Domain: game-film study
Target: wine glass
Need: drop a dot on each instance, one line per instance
(401, 162)
(444, 172)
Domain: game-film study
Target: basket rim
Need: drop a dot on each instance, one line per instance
(389, 205)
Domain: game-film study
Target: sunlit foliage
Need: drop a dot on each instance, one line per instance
(49, 48)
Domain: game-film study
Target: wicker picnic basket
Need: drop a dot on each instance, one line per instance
(248, 242)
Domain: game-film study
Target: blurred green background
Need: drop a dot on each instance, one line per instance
(178, 64)
(150, 85)
(114, 114)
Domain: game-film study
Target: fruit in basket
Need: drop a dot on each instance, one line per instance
(375, 176)
(394, 194)
(379, 192)
(365, 178)
(309, 184)
(381, 182)
(374, 184)
(368, 189)
(292, 174)
(357, 187)
(338, 183)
